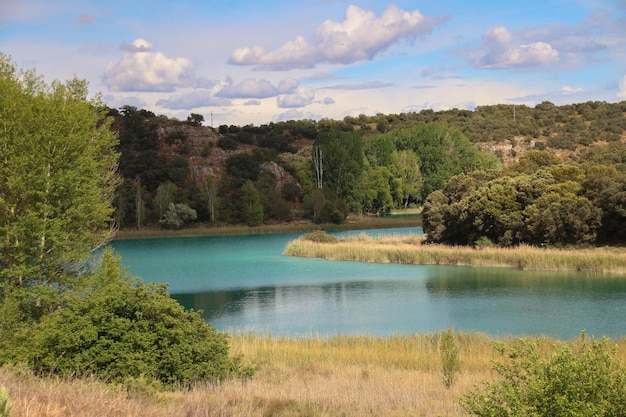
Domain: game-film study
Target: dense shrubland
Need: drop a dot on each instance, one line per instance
(540, 200)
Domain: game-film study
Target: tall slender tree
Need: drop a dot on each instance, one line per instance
(57, 178)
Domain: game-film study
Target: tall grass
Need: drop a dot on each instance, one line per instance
(411, 250)
(350, 376)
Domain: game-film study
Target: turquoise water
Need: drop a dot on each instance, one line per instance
(245, 283)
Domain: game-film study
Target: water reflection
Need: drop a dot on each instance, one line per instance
(486, 300)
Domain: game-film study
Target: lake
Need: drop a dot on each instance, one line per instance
(244, 283)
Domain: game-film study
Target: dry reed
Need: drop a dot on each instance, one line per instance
(411, 250)
(350, 376)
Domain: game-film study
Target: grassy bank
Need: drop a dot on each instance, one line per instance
(411, 250)
(353, 223)
(358, 376)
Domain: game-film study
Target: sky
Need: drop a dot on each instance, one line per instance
(253, 61)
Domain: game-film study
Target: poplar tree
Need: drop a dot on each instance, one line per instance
(57, 179)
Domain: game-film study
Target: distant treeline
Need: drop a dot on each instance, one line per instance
(323, 170)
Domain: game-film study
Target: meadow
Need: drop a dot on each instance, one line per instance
(348, 376)
(411, 249)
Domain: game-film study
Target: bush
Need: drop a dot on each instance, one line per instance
(586, 381)
(5, 404)
(320, 236)
(449, 351)
(124, 331)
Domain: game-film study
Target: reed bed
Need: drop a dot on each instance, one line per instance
(412, 250)
(349, 376)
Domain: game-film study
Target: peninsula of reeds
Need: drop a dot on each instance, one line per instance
(411, 249)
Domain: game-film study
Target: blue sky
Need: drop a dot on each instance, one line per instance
(244, 61)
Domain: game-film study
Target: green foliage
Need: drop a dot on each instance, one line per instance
(5, 403)
(536, 201)
(588, 380)
(251, 207)
(178, 214)
(320, 236)
(122, 330)
(57, 178)
(449, 352)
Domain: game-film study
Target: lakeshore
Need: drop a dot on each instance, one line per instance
(412, 250)
(350, 376)
(404, 218)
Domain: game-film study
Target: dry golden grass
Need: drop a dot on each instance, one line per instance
(360, 376)
(411, 250)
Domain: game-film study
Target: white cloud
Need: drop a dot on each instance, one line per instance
(252, 88)
(195, 99)
(501, 50)
(360, 36)
(142, 69)
(571, 90)
(300, 98)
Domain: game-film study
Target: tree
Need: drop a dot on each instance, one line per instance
(164, 196)
(178, 214)
(251, 206)
(195, 119)
(57, 178)
(587, 380)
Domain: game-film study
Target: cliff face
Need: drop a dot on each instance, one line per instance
(199, 145)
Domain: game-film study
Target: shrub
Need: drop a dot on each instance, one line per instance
(5, 404)
(586, 381)
(123, 330)
(449, 351)
(320, 237)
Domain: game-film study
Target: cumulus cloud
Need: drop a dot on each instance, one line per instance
(252, 88)
(500, 50)
(143, 69)
(360, 36)
(328, 101)
(550, 47)
(252, 103)
(195, 99)
(300, 98)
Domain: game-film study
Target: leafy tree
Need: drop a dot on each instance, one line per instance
(562, 217)
(57, 178)
(195, 119)
(251, 206)
(587, 380)
(178, 214)
(164, 196)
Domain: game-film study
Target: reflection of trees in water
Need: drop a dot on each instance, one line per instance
(215, 304)
(462, 281)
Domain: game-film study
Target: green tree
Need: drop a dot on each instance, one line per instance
(57, 178)
(251, 206)
(586, 380)
(178, 215)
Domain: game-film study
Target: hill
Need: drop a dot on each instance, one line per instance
(190, 162)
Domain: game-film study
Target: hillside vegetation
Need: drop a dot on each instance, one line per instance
(180, 173)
